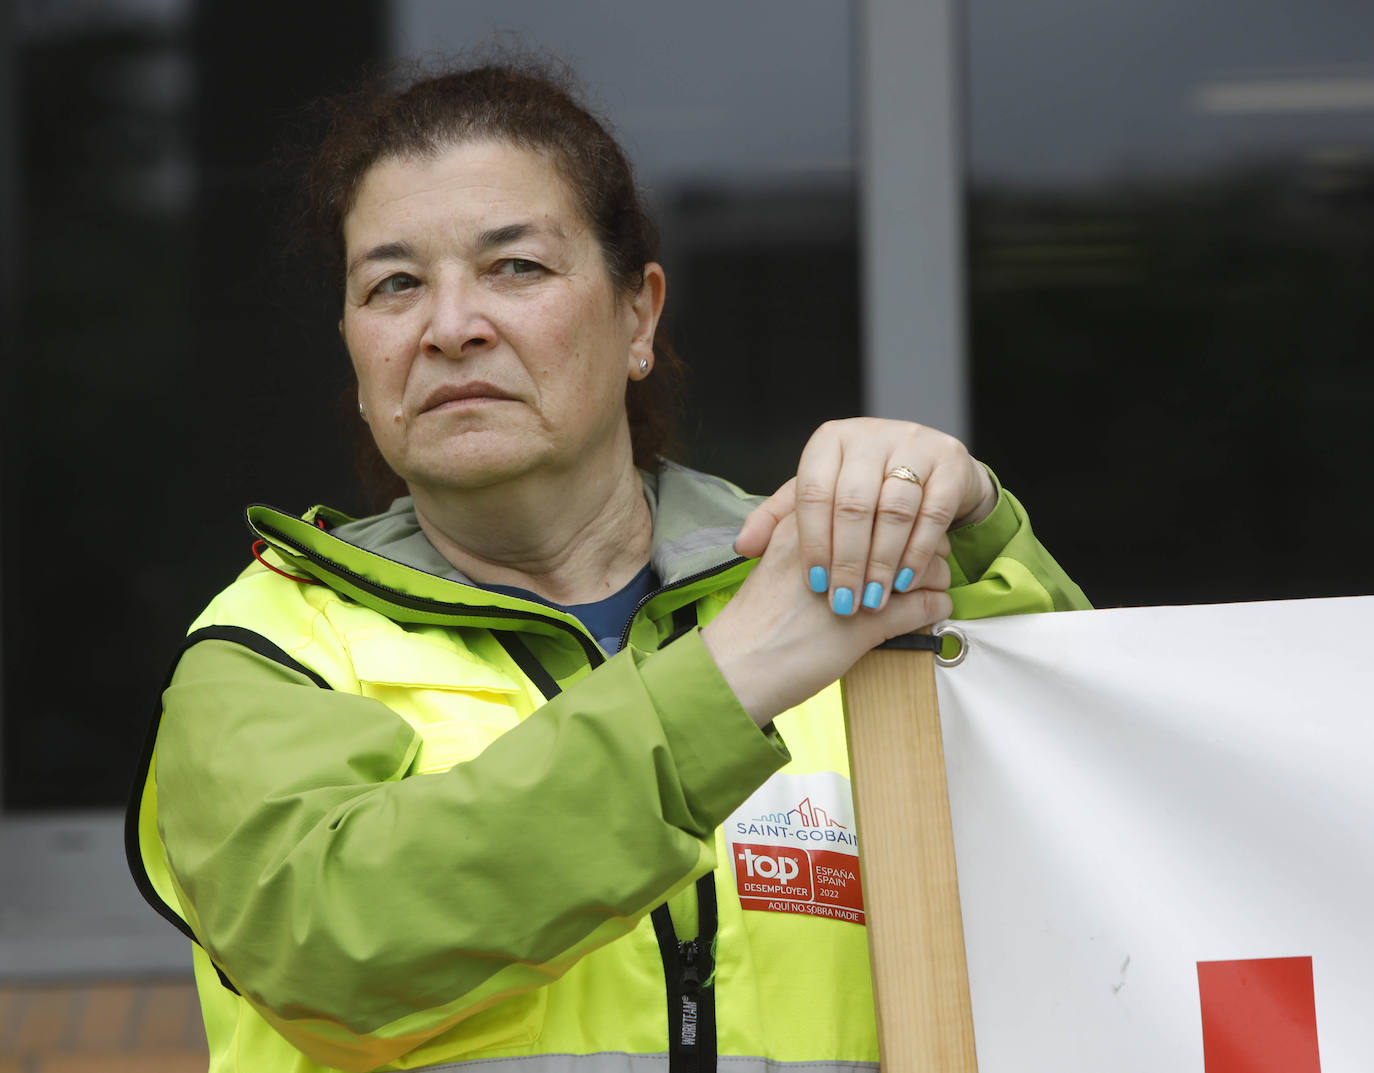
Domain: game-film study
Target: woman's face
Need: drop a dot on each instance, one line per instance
(488, 340)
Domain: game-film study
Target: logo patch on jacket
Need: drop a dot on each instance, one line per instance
(794, 848)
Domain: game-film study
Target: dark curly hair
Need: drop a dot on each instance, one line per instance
(530, 103)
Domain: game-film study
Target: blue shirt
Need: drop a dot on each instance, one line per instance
(605, 619)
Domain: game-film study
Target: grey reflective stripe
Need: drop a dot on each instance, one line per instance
(621, 1062)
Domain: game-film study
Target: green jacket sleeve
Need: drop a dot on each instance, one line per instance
(363, 912)
(998, 567)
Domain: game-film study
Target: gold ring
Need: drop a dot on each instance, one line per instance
(905, 473)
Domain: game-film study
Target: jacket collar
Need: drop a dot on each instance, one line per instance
(696, 518)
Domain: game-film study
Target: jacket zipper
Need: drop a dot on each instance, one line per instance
(595, 657)
(689, 973)
(682, 582)
(691, 996)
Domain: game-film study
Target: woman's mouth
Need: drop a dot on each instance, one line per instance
(458, 396)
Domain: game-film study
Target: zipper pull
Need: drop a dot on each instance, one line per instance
(691, 972)
(690, 999)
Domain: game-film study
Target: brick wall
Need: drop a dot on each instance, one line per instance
(145, 1026)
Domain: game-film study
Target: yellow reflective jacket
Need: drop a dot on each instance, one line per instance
(410, 822)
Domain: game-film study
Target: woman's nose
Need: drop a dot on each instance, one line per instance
(458, 322)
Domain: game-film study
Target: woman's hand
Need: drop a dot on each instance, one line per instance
(777, 643)
(864, 533)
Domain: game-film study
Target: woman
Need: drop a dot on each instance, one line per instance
(407, 798)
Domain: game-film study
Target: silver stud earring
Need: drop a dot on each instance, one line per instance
(644, 365)
(361, 412)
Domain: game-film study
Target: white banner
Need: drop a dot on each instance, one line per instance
(1164, 821)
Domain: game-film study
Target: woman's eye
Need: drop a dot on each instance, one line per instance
(519, 266)
(395, 284)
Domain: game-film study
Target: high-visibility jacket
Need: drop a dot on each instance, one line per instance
(410, 822)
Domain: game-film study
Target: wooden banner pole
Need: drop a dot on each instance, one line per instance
(911, 891)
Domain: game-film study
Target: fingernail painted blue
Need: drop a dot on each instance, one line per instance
(819, 581)
(904, 579)
(873, 594)
(843, 602)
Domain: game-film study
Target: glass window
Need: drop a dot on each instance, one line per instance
(1171, 251)
(167, 368)
(175, 365)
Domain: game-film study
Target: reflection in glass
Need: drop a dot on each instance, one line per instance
(1171, 262)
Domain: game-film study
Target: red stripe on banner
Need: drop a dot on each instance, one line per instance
(1258, 1016)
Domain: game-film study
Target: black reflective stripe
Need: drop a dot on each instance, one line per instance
(684, 620)
(255, 642)
(689, 977)
(524, 659)
(707, 925)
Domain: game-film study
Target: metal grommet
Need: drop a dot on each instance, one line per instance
(958, 635)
